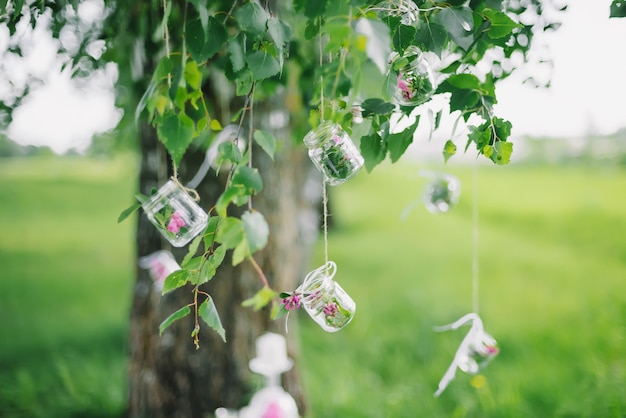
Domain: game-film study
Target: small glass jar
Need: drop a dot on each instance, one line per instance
(415, 82)
(333, 152)
(406, 10)
(442, 193)
(175, 214)
(325, 301)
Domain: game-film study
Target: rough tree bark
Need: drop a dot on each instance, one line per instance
(168, 376)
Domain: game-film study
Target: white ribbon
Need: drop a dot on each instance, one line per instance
(477, 341)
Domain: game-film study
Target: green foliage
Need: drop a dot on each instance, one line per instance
(618, 8)
(343, 48)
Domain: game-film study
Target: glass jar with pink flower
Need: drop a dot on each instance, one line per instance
(325, 300)
(413, 76)
(175, 214)
(333, 152)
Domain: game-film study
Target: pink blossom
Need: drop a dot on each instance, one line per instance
(176, 222)
(492, 350)
(330, 309)
(292, 302)
(337, 139)
(407, 91)
(273, 411)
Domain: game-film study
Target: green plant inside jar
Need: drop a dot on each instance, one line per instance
(171, 221)
(335, 160)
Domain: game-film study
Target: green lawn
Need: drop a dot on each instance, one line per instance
(552, 252)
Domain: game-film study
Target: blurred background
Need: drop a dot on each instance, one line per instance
(551, 253)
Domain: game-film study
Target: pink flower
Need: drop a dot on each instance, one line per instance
(407, 91)
(491, 350)
(337, 139)
(330, 309)
(273, 411)
(292, 302)
(176, 222)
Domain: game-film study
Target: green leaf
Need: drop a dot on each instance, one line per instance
(240, 253)
(618, 8)
(376, 106)
(252, 18)
(449, 149)
(502, 152)
(203, 12)
(266, 141)
(459, 23)
(373, 150)
(260, 299)
(209, 232)
(193, 248)
(278, 310)
(278, 31)
(164, 67)
(212, 264)
(181, 313)
(177, 279)
(193, 76)
(262, 65)
(432, 37)
(128, 211)
(464, 81)
(312, 9)
(237, 53)
(249, 178)
(228, 151)
(230, 232)
(228, 196)
(208, 313)
(403, 37)
(501, 24)
(256, 230)
(399, 142)
(176, 133)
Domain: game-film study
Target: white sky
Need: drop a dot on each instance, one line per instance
(588, 92)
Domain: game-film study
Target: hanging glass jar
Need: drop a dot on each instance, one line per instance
(333, 152)
(414, 79)
(175, 214)
(442, 192)
(324, 300)
(406, 10)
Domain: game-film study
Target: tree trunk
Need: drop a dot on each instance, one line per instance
(168, 376)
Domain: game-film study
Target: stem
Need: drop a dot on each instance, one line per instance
(259, 271)
(251, 126)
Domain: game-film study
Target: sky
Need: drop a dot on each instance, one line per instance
(587, 94)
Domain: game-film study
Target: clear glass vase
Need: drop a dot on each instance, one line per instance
(441, 193)
(333, 152)
(414, 79)
(175, 214)
(325, 300)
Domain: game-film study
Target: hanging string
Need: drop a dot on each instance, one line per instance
(321, 75)
(475, 283)
(324, 191)
(325, 200)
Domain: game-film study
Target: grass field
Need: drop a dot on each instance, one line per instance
(552, 253)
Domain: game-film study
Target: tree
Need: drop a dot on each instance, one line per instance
(189, 67)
